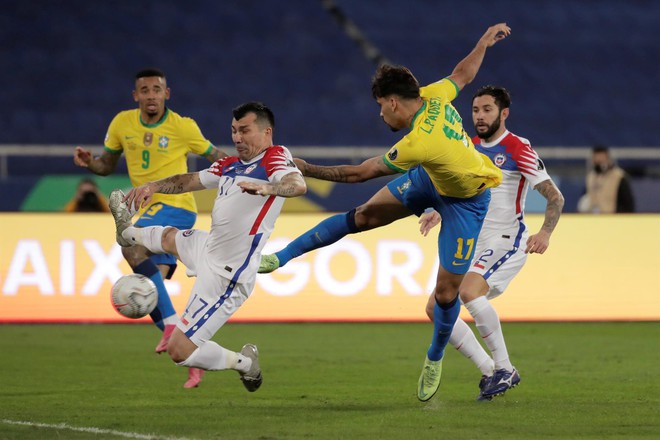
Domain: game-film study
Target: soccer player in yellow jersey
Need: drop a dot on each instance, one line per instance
(443, 170)
(155, 141)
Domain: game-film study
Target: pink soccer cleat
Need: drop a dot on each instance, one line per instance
(194, 378)
(162, 345)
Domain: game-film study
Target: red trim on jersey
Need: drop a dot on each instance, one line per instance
(521, 153)
(262, 214)
(521, 185)
(275, 159)
(219, 165)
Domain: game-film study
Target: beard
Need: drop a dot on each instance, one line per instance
(490, 130)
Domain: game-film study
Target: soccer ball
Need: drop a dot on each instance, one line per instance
(134, 296)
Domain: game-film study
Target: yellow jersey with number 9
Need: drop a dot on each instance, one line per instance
(156, 151)
(438, 142)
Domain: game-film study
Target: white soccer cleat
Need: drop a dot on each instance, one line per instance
(252, 379)
(122, 215)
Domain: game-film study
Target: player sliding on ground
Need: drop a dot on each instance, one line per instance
(251, 190)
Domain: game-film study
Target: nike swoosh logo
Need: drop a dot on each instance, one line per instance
(128, 137)
(454, 263)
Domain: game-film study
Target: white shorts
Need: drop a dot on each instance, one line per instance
(499, 256)
(214, 298)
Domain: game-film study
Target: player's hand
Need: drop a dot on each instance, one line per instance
(494, 34)
(256, 189)
(538, 243)
(428, 221)
(139, 197)
(82, 157)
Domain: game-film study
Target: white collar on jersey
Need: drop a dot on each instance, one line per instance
(495, 142)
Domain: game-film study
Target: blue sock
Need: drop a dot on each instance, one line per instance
(325, 233)
(444, 318)
(164, 308)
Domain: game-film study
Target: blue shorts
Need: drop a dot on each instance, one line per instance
(461, 218)
(160, 214)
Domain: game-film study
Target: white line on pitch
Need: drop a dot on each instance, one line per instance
(134, 435)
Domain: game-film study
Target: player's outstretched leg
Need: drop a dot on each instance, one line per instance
(501, 381)
(251, 379)
(122, 215)
(324, 234)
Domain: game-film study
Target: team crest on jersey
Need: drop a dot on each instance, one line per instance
(188, 233)
(147, 139)
(251, 168)
(499, 159)
(163, 142)
(392, 154)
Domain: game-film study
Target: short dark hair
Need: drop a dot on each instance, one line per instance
(501, 95)
(263, 113)
(394, 80)
(600, 149)
(151, 71)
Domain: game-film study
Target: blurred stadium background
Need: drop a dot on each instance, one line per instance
(581, 73)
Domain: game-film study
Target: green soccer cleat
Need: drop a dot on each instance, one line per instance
(268, 263)
(429, 381)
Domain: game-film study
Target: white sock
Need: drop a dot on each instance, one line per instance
(171, 320)
(490, 329)
(463, 339)
(150, 237)
(211, 356)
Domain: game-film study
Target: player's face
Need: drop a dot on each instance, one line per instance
(486, 116)
(249, 137)
(151, 93)
(388, 113)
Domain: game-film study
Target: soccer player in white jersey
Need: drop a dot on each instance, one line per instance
(251, 191)
(503, 242)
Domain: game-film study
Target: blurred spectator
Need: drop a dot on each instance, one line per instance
(608, 188)
(88, 198)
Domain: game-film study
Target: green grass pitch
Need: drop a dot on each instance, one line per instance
(328, 381)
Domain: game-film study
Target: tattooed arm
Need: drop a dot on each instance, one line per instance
(539, 242)
(291, 185)
(180, 183)
(215, 154)
(369, 169)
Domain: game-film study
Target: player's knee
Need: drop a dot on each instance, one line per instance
(430, 306)
(135, 255)
(168, 240)
(176, 352)
(366, 218)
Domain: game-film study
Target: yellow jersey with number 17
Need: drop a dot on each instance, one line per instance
(156, 151)
(438, 142)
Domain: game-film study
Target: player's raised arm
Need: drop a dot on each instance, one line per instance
(102, 165)
(467, 69)
(367, 170)
(215, 154)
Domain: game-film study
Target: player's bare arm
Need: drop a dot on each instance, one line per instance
(539, 242)
(291, 185)
(180, 183)
(102, 165)
(367, 170)
(466, 70)
(215, 154)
